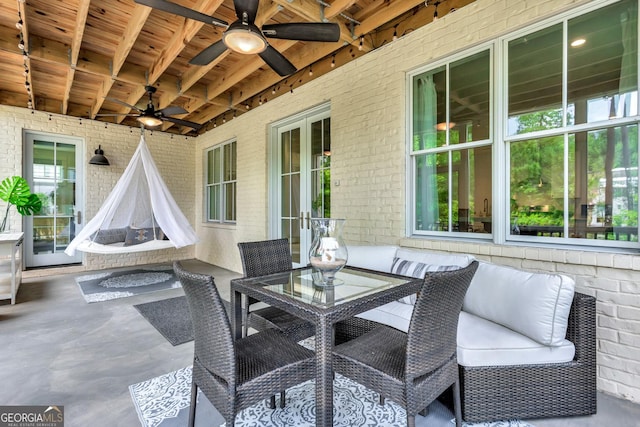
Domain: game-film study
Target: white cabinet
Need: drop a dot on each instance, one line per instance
(10, 265)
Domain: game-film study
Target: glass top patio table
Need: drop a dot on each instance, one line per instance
(295, 292)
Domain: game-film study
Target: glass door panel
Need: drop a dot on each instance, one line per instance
(53, 174)
(301, 180)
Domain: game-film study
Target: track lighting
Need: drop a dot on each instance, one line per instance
(19, 24)
(361, 45)
(310, 71)
(21, 44)
(395, 33)
(333, 61)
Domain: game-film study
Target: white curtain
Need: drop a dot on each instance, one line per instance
(424, 128)
(140, 199)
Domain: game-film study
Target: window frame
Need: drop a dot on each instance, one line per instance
(565, 131)
(500, 140)
(448, 148)
(222, 202)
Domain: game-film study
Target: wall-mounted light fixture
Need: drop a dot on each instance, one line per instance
(99, 158)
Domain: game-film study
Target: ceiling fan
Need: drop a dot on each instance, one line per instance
(244, 36)
(150, 117)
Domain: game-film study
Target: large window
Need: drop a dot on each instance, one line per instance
(220, 183)
(451, 147)
(572, 131)
(566, 125)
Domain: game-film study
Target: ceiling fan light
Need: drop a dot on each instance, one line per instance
(149, 121)
(244, 40)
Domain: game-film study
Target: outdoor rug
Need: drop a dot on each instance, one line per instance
(164, 402)
(171, 317)
(104, 286)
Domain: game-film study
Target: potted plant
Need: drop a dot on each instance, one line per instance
(15, 191)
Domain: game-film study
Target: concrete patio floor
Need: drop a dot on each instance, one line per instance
(59, 350)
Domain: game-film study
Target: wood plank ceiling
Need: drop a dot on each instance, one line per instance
(79, 53)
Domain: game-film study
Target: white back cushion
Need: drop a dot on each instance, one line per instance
(534, 304)
(418, 270)
(379, 258)
(434, 258)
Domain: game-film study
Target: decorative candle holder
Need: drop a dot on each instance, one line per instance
(328, 253)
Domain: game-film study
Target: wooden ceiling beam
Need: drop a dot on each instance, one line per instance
(24, 34)
(256, 86)
(385, 13)
(134, 26)
(76, 42)
(338, 7)
(13, 98)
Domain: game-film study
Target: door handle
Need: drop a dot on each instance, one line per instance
(301, 220)
(308, 220)
(79, 217)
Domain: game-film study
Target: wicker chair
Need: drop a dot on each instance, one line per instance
(267, 257)
(236, 374)
(413, 369)
(491, 393)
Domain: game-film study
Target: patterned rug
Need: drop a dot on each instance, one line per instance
(164, 402)
(104, 286)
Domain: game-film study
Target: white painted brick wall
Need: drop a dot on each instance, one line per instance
(368, 103)
(174, 157)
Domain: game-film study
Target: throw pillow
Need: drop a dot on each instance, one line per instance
(135, 236)
(418, 270)
(109, 236)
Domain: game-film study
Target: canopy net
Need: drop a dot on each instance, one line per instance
(140, 214)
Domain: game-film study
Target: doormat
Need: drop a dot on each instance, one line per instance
(105, 286)
(171, 317)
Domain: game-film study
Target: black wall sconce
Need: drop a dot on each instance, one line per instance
(99, 158)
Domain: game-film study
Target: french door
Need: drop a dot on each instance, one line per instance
(300, 178)
(54, 170)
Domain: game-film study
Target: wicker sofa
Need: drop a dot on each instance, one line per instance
(526, 341)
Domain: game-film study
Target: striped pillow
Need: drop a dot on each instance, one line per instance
(418, 270)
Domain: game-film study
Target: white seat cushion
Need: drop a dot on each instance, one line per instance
(534, 304)
(377, 258)
(485, 343)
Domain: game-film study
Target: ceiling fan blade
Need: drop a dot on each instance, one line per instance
(248, 6)
(305, 31)
(277, 61)
(171, 110)
(176, 9)
(196, 126)
(209, 54)
(117, 101)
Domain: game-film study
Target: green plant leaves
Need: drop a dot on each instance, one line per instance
(33, 205)
(15, 190)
